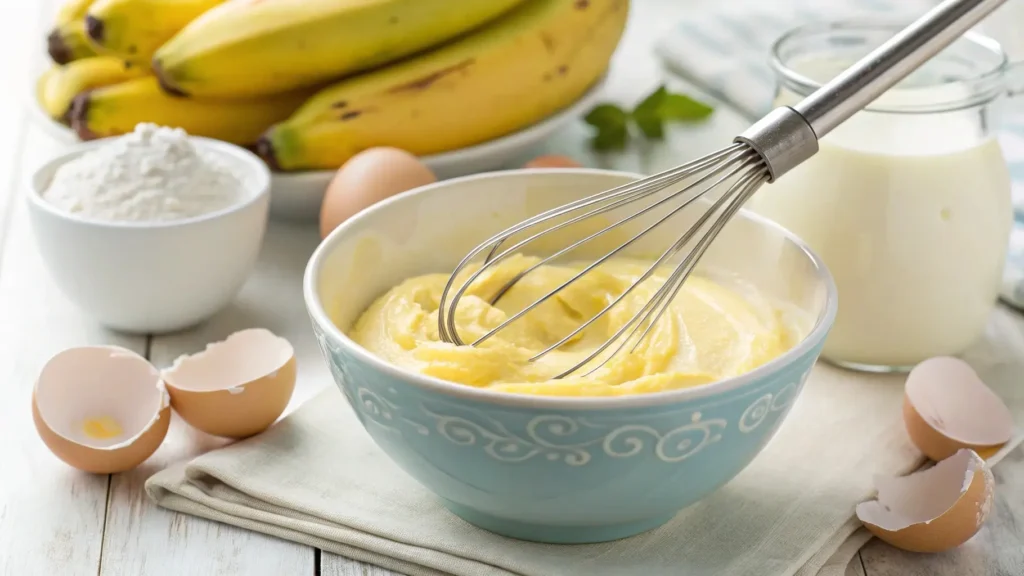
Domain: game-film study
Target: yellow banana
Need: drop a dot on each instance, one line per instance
(42, 84)
(116, 109)
(58, 86)
(72, 10)
(134, 29)
(68, 42)
(254, 47)
(514, 72)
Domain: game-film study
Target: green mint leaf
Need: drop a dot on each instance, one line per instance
(650, 116)
(682, 107)
(606, 116)
(647, 114)
(610, 139)
(651, 126)
(612, 125)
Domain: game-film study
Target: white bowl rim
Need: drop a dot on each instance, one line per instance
(260, 190)
(312, 275)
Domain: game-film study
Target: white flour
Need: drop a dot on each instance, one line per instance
(151, 174)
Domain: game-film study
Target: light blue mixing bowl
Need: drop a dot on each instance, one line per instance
(563, 470)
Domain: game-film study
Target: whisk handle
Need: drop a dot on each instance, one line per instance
(859, 85)
(789, 135)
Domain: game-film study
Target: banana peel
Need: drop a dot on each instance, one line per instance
(68, 42)
(58, 86)
(514, 72)
(134, 29)
(116, 109)
(249, 48)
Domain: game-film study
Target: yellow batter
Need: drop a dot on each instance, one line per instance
(710, 331)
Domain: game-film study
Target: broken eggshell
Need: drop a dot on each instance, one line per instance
(235, 388)
(101, 409)
(946, 407)
(932, 510)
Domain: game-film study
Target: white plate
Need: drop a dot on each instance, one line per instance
(297, 195)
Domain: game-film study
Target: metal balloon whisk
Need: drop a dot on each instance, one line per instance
(774, 145)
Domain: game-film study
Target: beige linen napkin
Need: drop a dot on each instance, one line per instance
(316, 477)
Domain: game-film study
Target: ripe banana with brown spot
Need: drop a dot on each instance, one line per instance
(67, 40)
(134, 29)
(517, 70)
(116, 109)
(58, 86)
(254, 47)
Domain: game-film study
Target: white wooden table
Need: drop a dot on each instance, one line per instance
(56, 521)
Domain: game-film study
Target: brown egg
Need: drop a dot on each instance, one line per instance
(235, 388)
(101, 409)
(946, 407)
(367, 178)
(932, 510)
(552, 161)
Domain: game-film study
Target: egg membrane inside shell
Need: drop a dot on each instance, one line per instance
(950, 397)
(922, 496)
(241, 358)
(234, 388)
(100, 396)
(933, 510)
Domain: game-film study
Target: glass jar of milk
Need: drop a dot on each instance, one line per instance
(908, 202)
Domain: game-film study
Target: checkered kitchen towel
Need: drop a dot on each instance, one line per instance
(723, 47)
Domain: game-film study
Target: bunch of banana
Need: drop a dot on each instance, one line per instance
(67, 40)
(323, 79)
(116, 109)
(255, 47)
(511, 73)
(134, 29)
(59, 85)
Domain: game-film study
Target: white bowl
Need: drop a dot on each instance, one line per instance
(153, 277)
(297, 195)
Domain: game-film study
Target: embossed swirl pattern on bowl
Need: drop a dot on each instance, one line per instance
(572, 440)
(523, 472)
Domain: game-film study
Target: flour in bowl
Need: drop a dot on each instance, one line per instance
(151, 174)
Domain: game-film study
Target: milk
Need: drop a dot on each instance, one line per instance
(911, 213)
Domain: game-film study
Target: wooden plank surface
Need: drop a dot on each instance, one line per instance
(856, 568)
(51, 516)
(143, 539)
(334, 565)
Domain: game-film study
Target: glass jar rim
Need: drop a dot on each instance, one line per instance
(986, 85)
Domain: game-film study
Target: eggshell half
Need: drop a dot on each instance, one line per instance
(104, 389)
(932, 510)
(946, 407)
(234, 388)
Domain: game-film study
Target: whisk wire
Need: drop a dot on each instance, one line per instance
(718, 169)
(446, 316)
(644, 314)
(738, 162)
(737, 158)
(656, 182)
(647, 274)
(747, 187)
